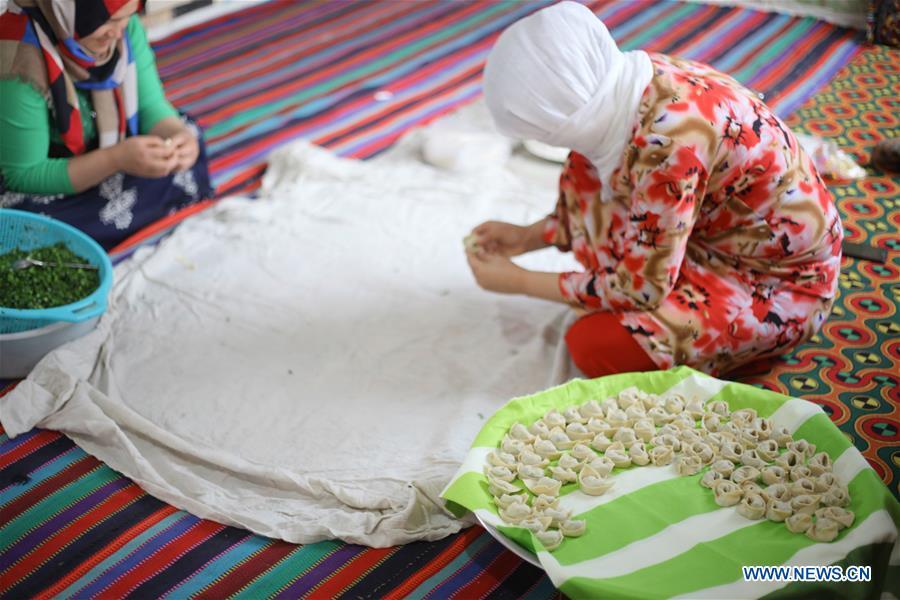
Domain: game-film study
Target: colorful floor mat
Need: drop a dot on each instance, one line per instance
(334, 72)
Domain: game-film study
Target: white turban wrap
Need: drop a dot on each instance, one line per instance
(558, 77)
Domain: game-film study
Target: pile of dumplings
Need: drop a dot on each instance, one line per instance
(750, 464)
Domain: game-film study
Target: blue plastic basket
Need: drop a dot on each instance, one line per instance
(26, 231)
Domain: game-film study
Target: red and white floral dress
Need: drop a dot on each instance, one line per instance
(721, 243)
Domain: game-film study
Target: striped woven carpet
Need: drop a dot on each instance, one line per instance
(351, 76)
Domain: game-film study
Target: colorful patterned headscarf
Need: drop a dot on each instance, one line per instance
(39, 43)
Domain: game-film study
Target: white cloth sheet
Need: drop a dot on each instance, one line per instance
(313, 364)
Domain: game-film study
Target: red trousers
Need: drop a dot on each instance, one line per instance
(600, 345)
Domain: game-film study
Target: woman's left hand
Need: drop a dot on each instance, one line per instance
(186, 147)
(496, 273)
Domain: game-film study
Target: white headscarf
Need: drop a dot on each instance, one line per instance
(558, 77)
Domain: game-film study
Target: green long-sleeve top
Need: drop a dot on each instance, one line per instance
(27, 127)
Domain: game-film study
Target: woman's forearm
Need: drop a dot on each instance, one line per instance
(535, 237)
(542, 285)
(168, 127)
(89, 169)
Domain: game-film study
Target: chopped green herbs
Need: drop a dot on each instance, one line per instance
(44, 287)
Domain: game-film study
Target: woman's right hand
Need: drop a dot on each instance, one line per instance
(145, 156)
(506, 239)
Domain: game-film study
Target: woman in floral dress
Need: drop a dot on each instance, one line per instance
(706, 236)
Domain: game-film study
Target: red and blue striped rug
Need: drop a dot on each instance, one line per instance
(352, 76)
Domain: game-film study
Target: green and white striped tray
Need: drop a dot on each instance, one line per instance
(658, 535)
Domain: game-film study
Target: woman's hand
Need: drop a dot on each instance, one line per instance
(145, 156)
(496, 273)
(186, 148)
(506, 239)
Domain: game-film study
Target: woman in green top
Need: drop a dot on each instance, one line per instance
(86, 133)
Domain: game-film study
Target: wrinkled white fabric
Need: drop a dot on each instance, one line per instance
(558, 77)
(313, 364)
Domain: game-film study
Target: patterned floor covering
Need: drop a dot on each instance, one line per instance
(69, 525)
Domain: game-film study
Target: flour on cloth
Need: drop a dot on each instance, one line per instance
(313, 364)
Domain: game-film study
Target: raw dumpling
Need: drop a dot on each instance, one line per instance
(836, 496)
(667, 439)
(825, 482)
(542, 502)
(601, 442)
(688, 465)
(745, 473)
(689, 436)
(502, 473)
(563, 475)
(753, 507)
(501, 459)
(512, 445)
(570, 461)
(531, 458)
(703, 452)
(802, 447)
(547, 449)
(782, 436)
(659, 415)
(539, 428)
(498, 487)
(767, 450)
(617, 418)
(710, 478)
(790, 459)
(644, 429)
(554, 419)
(550, 539)
(521, 433)
(619, 457)
(578, 432)
(778, 511)
(695, 409)
(536, 524)
(711, 422)
(530, 471)
(727, 493)
(779, 491)
(571, 528)
(602, 465)
(731, 451)
(583, 452)
(638, 454)
(544, 485)
(625, 435)
(751, 458)
(635, 412)
(506, 499)
(559, 439)
(805, 504)
(719, 407)
(749, 438)
(819, 464)
(773, 474)
(744, 417)
(800, 472)
(558, 515)
(573, 415)
(798, 522)
(823, 530)
(803, 486)
(515, 512)
(763, 427)
(598, 425)
(590, 409)
(841, 516)
(684, 421)
(662, 455)
(723, 467)
(674, 404)
(592, 483)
